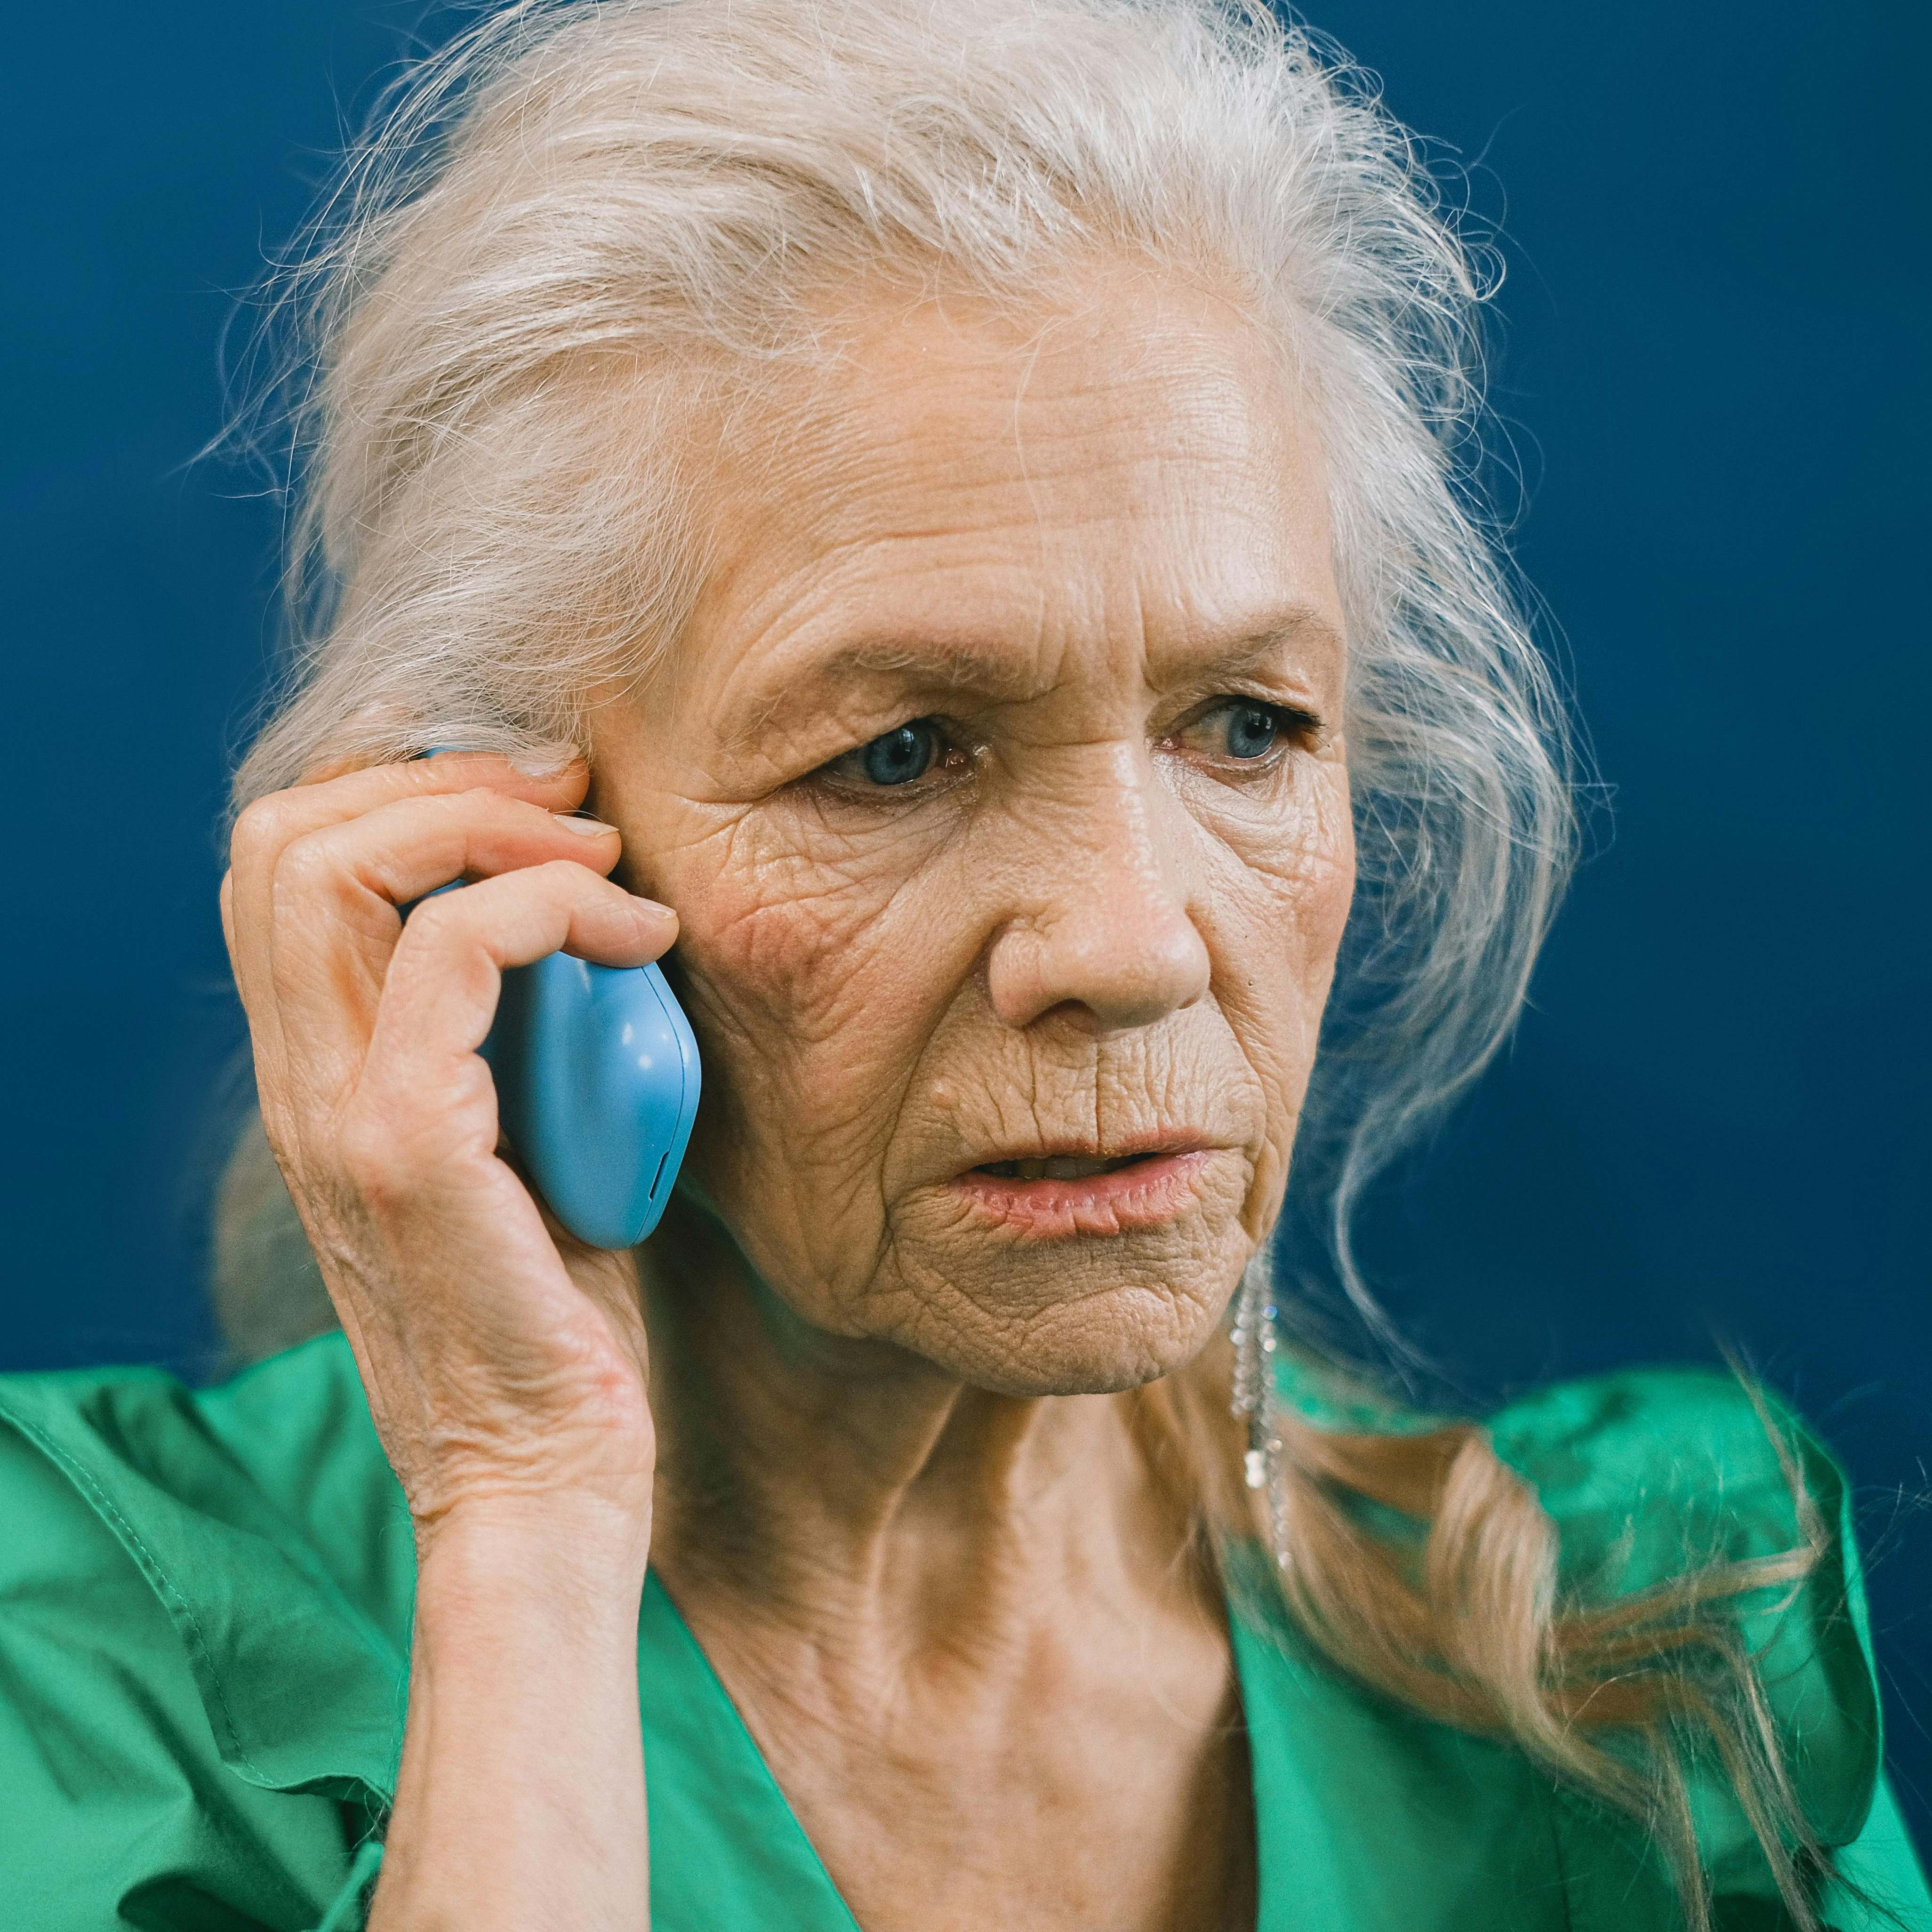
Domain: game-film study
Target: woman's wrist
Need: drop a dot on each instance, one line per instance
(521, 1799)
(589, 1549)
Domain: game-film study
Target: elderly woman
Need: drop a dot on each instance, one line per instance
(952, 517)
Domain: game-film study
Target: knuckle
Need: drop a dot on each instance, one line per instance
(435, 922)
(306, 866)
(570, 878)
(259, 829)
(426, 808)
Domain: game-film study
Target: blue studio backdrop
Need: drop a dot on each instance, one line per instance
(1712, 1129)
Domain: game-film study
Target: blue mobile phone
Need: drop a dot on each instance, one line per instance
(597, 1077)
(597, 1080)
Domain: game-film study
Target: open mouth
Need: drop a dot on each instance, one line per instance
(1063, 1166)
(1061, 1196)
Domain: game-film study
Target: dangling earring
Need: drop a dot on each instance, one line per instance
(1254, 1394)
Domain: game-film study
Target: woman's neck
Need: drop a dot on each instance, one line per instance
(972, 1634)
(816, 1480)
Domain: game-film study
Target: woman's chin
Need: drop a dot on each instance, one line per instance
(1099, 1341)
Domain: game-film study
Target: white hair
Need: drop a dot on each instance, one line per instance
(658, 194)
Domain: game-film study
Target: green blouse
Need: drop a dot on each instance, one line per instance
(204, 1641)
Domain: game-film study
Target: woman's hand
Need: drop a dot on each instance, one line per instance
(504, 1362)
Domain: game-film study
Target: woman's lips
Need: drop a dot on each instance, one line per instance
(1054, 1196)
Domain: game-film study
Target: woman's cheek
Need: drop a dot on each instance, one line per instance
(811, 984)
(765, 922)
(1307, 868)
(1287, 914)
(1332, 850)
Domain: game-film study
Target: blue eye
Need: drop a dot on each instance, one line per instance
(1252, 729)
(898, 757)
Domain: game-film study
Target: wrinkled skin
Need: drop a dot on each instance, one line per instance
(856, 1400)
(1088, 924)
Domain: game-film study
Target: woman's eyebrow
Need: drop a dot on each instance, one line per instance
(922, 665)
(997, 668)
(917, 666)
(1301, 632)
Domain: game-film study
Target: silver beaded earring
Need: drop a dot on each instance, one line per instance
(1254, 1393)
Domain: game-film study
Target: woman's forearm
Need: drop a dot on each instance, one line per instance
(505, 1363)
(520, 1805)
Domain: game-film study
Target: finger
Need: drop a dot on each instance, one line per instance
(440, 994)
(336, 895)
(266, 828)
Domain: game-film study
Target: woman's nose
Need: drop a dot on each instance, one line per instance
(1108, 929)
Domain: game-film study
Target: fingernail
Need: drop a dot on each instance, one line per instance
(590, 827)
(651, 909)
(540, 765)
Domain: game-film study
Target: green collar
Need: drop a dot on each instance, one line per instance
(1362, 1813)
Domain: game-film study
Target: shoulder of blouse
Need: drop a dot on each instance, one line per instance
(1651, 1474)
(204, 1611)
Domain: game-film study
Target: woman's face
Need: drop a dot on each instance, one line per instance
(999, 786)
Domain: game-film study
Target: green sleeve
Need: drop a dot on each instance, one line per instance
(1877, 1884)
(1652, 1474)
(346, 1910)
(156, 1633)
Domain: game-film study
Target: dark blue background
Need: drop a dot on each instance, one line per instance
(1713, 1126)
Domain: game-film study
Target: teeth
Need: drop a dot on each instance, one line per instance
(1058, 1167)
(1073, 1167)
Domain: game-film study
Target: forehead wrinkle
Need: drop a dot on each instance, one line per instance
(854, 438)
(883, 481)
(900, 488)
(998, 673)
